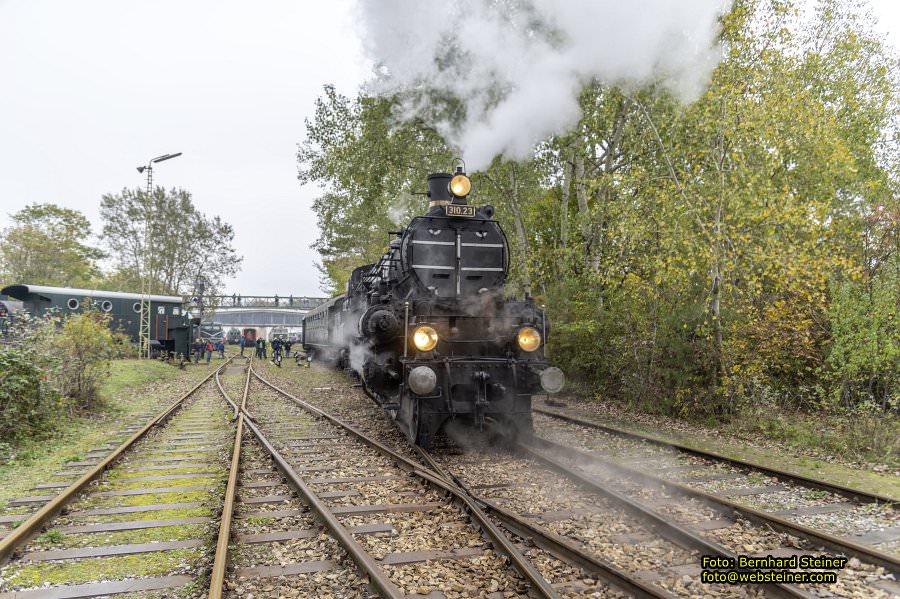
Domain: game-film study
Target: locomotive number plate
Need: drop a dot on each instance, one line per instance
(459, 210)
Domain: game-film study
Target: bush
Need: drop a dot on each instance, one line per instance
(865, 351)
(122, 347)
(85, 346)
(27, 401)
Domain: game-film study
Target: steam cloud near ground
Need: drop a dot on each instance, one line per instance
(519, 65)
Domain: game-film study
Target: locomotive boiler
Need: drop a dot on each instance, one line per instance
(429, 329)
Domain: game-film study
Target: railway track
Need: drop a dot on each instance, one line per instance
(408, 532)
(625, 522)
(584, 503)
(139, 520)
(865, 524)
(242, 488)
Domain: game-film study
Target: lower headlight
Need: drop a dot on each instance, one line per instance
(528, 338)
(552, 379)
(422, 380)
(425, 338)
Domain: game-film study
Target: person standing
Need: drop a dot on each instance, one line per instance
(198, 349)
(221, 348)
(209, 350)
(264, 353)
(243, 344)
(259, 342)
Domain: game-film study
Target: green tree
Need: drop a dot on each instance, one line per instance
(184, 244)
(369, 165)
(696, 258)
(46, 246)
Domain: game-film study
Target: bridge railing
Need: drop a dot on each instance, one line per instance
(264, 301)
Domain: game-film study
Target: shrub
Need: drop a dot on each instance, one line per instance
(865, 351)
(27, 401)
(85, 346)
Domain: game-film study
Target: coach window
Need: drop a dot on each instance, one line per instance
(136, 307)
(73, 303)
(160, 309)
(176, 311)
(106, 306)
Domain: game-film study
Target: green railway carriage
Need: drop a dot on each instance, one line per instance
(171, 326)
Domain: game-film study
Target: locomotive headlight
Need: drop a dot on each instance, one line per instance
(529, 339)
(425, 338)
(460, 186)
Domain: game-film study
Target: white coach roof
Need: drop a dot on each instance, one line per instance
(20, 291)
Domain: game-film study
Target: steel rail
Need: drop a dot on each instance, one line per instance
(837, 544)
(558, 546)
(220, 562)
(659, 522)
(33, 525)
(538, 582)
(377, 577)
(856, 494)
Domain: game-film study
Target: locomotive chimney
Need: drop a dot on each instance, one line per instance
(438, 190)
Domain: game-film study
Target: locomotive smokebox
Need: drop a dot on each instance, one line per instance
(439, 190)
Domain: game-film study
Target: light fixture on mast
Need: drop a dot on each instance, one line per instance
(146, 283)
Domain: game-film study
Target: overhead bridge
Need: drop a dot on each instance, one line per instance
(261, 312)
(257, 317)
(289, 302)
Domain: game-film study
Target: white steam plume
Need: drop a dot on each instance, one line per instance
(518, 65)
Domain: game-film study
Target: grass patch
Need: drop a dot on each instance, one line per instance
(207, 455)
(127, 374)
(49, 537)
(136, 472)
(121, 484)
(111, 568)
(141, 500)
(864, 437)
(198, 586)
(189, 512)
(126, 537)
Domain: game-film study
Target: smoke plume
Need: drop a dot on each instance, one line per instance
(517, 66)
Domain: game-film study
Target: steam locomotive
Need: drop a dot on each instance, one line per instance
(428, 328)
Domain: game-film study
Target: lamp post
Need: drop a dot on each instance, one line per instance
(146, 283)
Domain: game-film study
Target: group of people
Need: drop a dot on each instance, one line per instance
(207, 347)
(278, 344)
(282, 345)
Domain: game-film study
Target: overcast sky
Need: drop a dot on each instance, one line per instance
(89, 90)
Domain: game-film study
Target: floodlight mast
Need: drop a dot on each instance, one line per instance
(146, 281)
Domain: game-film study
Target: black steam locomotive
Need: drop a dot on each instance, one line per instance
(428, 328)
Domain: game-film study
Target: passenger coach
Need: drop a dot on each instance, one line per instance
(171, 327)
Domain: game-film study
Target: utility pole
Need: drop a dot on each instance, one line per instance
(146, 281)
